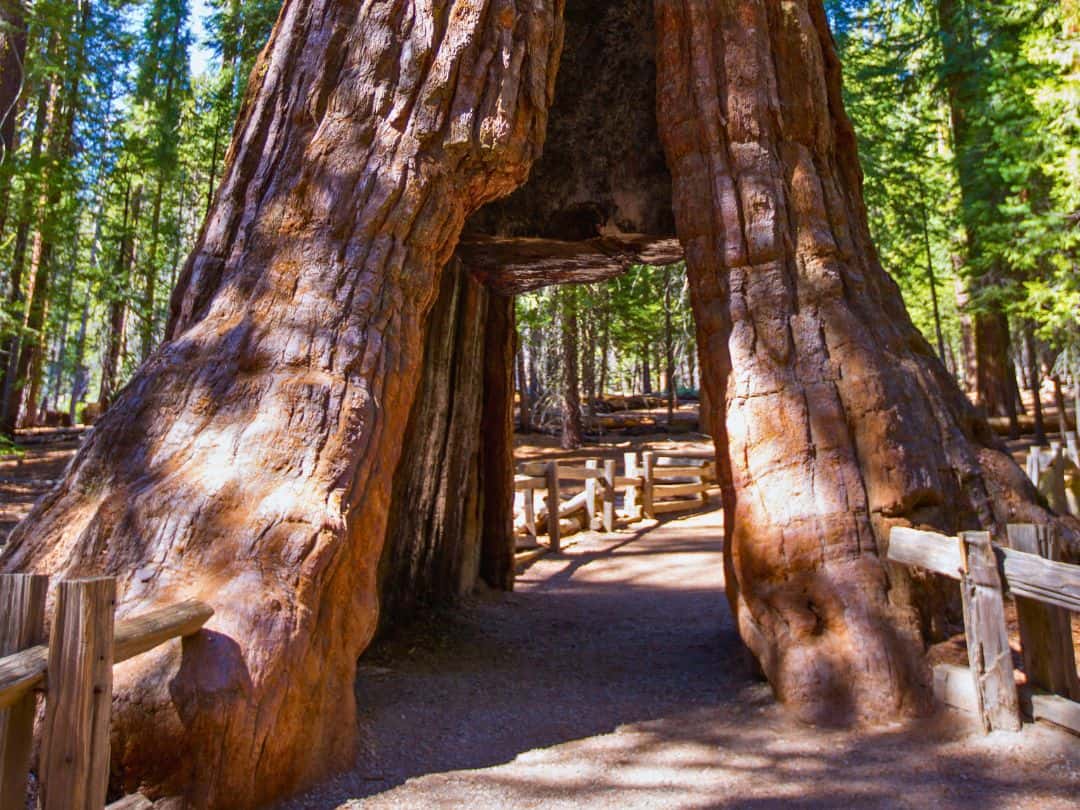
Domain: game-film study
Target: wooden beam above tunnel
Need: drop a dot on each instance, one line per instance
(512, 266)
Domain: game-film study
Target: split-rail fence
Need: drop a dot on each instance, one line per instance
(585, 495)
(1045, 591)
(72, 669)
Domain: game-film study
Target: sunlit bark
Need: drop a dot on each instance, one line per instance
(834, 419)
(250, 460)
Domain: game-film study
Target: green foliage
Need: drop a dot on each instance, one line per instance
(143, 129)
(626, 325)
(967, 117)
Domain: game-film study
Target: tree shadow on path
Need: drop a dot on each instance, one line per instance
(618, 668)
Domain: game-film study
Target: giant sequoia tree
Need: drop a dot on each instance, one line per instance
(840, 420)
(252, 460)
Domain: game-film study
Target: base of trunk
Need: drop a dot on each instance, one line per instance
(451, 509)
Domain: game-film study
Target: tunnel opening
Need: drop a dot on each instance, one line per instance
(598, 201)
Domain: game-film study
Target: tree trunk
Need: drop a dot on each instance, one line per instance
(931, 278)
(571, 393)
(146, 327)
(12, 75)
(993, 368)
(16, 296)
(534, 369)
(967, 338)
(1062, 411)
(524, 393)
(250, 461)
(605, 346)
(116, 327)
(61, 142)
(588, 368)
(1036, 385)
(669, 348)
(646, 369)
(497, 543)
(833, 417)
(450, 481)
(80, 382)
(979, 188)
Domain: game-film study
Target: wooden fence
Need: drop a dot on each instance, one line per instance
(84, 644)
(1055, 471)
(1045, 591)
(652, 483)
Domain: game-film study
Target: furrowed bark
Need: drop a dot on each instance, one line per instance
(834, 419)
(249, 462)
(12, 54)
(451, 519)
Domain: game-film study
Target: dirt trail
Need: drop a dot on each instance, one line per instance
(614, 678)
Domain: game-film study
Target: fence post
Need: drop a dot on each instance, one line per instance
(609, 495)
(22, 625)
(529, 506)
(1059, 500)
(630, 499)
(987, 634)
(551, 473)
(75, 736)
(647, 460)
(1034, 465)
(590, 494)
(1045, 630)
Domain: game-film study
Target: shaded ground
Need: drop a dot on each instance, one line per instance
(614, 678)
(26, 476)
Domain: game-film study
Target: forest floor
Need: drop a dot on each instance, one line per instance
(26, 476)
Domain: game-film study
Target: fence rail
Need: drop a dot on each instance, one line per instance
(75, 669)
(651, 483)
(1045, 590)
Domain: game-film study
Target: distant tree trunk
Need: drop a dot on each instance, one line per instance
(1015, 368)
(571, 393)
(146, 327)
(16, 297)
(60, 150)
(834, 419)
(56, 366)
(646, 369)
(970, 374)
(967, 92)
(994, 390)
(605, 348)
(116, 326)
(588, 368)
(1036, 385)
(669, 348)
(534, 369)
(1059, 403)
(250, 460)
(80, 374)
(12, 76)
(524, 394)
(931, 277)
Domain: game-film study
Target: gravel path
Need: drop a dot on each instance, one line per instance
(614, 678)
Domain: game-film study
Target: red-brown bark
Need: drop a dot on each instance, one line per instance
(253, 459)
(250, 460)
(833, 417)
(451, 514)
(12, 54)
